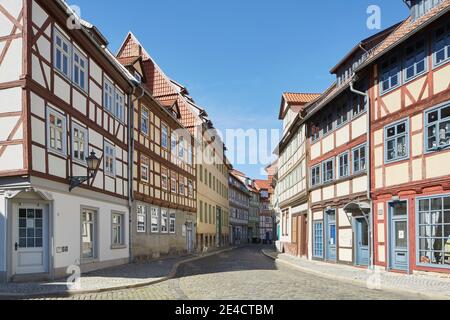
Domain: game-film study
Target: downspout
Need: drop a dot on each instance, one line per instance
(368, 161)
(131, 102)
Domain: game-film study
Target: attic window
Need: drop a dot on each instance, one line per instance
(421, 7)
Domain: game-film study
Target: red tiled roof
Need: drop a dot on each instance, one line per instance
(237, 173)
(263, 184)
(128, 61)
(405, 29)
(158, 83)
(296, 101)
(299, 98)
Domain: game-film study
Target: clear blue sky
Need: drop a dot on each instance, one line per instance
(237, 56)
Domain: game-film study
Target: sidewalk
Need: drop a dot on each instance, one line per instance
(116, 278)
(433, 287)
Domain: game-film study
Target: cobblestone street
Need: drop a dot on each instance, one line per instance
(245, 274)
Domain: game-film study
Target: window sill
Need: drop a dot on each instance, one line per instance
(440, 64)
(383, 93)
(359, 115)
(57, 153)
(118, 246)
(415, 77)
(438, 149)
(84, 261)
(394, 161)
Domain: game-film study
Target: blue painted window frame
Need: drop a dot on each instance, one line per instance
(390, 69)
(415, 59)
(445, 39)
(325, 171)
(395, 138)
(436, 124)
(354, 159)
(342, 114)
(316, 171)
(315, 133)
(318, 249)
(443, 224)
(327, 123)
(342, 167)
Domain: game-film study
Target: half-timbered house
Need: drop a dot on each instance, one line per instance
(164, 177)
(410, 131)
(63, 96)
(338, 161)
(292, 182)
(211, 221)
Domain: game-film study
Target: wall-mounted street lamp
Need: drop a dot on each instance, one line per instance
(92, 164)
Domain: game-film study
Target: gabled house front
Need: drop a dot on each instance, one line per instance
(64, 166)
(409, 94)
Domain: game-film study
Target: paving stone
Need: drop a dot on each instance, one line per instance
(246, 274)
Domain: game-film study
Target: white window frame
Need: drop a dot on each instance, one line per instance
(181, 187)
(164, 218)
(78, 141)
(119, 105)
(82, 71)
(59, 50)
(141, 211)
(190, 189)
(120, 226)
(172, 223)
(57, 114)
(109, 147)
(166, 176)
(181, 148)
(108, 96)
(164, 136)
(155, 217)
(145, 119)
(173, 143)
(146, 168)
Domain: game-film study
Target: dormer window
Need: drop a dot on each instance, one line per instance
(421, 7)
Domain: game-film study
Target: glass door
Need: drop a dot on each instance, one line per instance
(88, 234)
(399, 236)
(331, 235)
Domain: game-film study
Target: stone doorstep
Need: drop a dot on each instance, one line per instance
(42, 291)
(434, 288)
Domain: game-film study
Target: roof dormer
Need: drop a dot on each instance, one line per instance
(418, 8)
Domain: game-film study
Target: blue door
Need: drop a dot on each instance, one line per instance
(331, 235)
(399, 236)
(362, 241)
